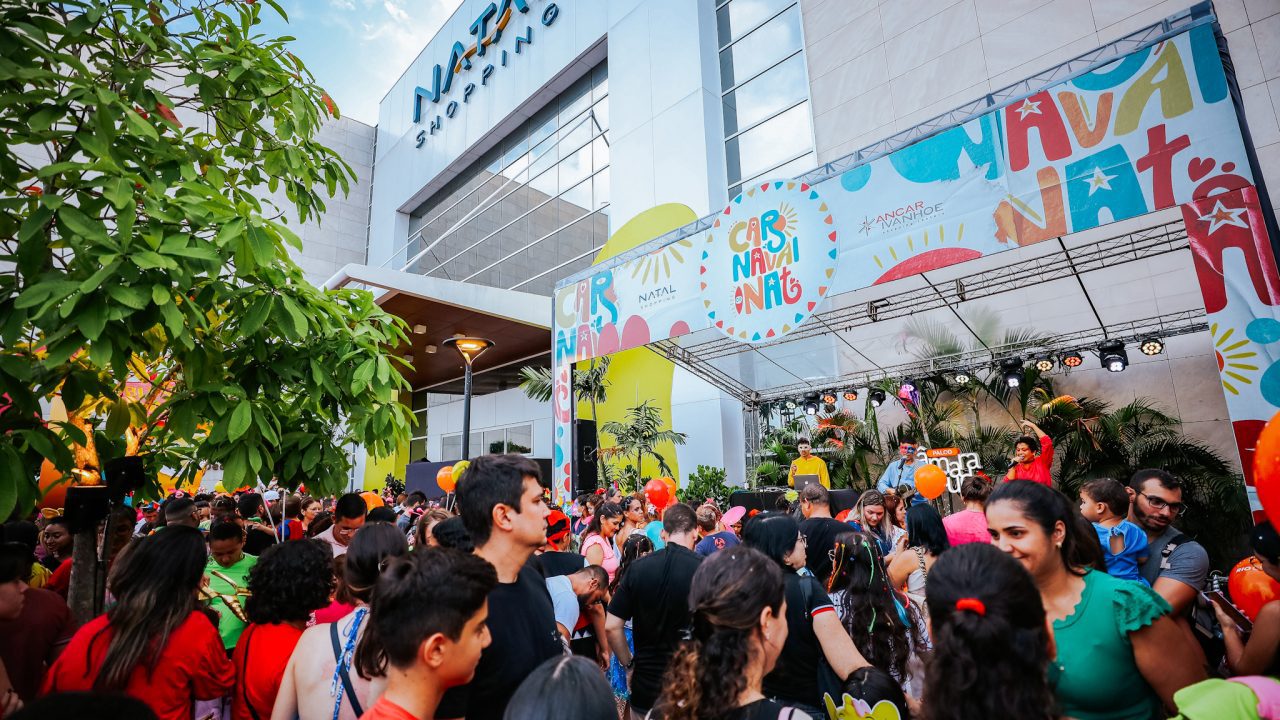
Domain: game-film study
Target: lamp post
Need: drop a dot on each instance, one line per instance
(469, 348)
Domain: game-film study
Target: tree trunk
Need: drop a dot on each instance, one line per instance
(84, 577)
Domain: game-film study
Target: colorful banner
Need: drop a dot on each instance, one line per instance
(1237, 272)
(1151, 130)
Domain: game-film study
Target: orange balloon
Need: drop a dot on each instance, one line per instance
(53, 490)
(371, 499)
(1251, 587)
(930, 481)
(671, 486)
(444, 478)
(1266, 470)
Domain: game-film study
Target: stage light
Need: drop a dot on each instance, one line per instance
(876, 397)
(962, 378)
(1011, 369)
(1151, 346)
(1113, 356)
(789, 404)
(828, 397)
(811, 405)
(1044, 364)
(1071, 359)
(850, 395)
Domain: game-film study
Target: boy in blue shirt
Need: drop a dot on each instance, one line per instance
(1105, 503)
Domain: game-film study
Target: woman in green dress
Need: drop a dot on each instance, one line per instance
(1119, 654)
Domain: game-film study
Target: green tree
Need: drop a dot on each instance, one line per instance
(637, 437)
(591, 384)
(146, 280)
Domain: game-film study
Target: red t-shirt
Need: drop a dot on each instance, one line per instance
(260, 659)
(1038, 469)
(29, 643)
(60, 580)
(192, 666)
(384, 709)
(334, 612)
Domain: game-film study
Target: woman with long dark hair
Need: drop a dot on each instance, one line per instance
(738, 599)
(815, 634)
(1119, 653)
(321, 683)
(597, 544)
(633, 518)
(991, 646)
(884, 626)
(926, 540)
(155, 643)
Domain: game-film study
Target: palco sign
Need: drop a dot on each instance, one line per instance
(957, 465)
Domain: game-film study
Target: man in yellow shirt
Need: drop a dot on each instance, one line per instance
(808, 464)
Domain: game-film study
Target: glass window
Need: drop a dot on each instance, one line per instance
(494, 441)
(419, 424)
(417, 449)
(786, 170)
(760, 48)
(520, 439)
(420, 400)
(769, 144)
(737, 17)
(779, 88)
(476, 448)
(450, 448)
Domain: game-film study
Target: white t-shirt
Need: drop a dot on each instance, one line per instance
(564, 602)
(327, 536)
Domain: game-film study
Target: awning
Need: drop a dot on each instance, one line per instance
(517, 323)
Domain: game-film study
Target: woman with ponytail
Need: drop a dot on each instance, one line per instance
(739, 627)
(1119, 653)
(155, 643)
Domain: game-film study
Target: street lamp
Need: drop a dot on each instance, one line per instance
(469, 348)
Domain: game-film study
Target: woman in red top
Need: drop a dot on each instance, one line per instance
(1032, 456)
(155, 644)
(289, 581)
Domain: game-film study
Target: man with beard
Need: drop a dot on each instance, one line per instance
(1177, 566)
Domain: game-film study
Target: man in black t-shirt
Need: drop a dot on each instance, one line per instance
(654, 596)
(504, 512)
(819, 530)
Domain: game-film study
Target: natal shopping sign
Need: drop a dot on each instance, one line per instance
(1153, 129)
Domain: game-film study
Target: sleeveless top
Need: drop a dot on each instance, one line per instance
(610, 562)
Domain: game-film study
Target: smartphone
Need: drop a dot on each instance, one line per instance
(1216, 597)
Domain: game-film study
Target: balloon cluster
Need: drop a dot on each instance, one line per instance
(660, 492)
(448, 476)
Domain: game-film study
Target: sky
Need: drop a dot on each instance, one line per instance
(357, 48)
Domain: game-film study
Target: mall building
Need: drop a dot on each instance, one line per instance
(531, 139)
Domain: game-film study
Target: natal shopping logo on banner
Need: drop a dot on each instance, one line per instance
(768, 261)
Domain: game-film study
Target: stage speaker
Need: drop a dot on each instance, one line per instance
(585, 444)
(87, 506)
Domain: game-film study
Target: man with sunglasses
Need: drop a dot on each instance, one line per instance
(901, 471)
(1178, 566)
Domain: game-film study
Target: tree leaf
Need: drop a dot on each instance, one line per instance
(80, 224)
(93, 319)
(118, 418)
(240, 419)
(13, 474)
(139, 126)
(258, 313)
(128, 295)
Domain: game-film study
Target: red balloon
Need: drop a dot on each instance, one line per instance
(1251, 587)
(1266, 470)
(656, 492)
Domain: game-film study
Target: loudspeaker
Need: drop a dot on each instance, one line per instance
(586, 477)
(86, 507)
(124, 475)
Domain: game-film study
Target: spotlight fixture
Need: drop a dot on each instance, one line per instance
(430, 349)
(789, 404)
(811, 405)
(876, 397)
(1113, 356)
(962, 378)
(1151, 346)
(419, 329)
(1011, 369)
(850, 395)
(1044, 363)
(1071, 359)
(828, 397)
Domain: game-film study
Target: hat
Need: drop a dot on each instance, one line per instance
(557, 526)
(733, 516)
(271, 495)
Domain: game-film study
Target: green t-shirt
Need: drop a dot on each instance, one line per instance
(1095, 676)
(229, 626)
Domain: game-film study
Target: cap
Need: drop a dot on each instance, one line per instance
(557, 526)
(733, 515)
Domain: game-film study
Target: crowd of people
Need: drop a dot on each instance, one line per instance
(1022, 603)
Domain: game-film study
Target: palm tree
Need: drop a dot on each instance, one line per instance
(639, 435)
(591, 384)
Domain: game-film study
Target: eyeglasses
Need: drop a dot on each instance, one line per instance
(1176, 508)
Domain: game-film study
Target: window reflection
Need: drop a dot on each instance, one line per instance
(760, 48)
(769, 144)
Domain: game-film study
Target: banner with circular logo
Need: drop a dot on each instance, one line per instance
(768, 261)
